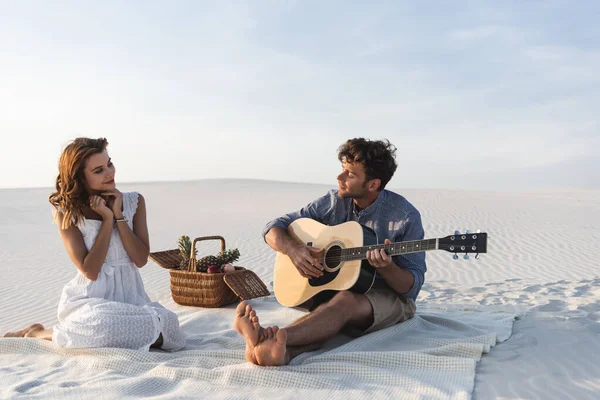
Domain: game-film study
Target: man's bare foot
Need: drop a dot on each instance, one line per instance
(30, 331)
(272, 350)
(246, 324)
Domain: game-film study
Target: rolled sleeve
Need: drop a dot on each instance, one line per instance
(318, 210)
(415, 262)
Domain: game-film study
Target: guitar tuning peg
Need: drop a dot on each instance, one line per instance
(466, 256)
(478, 231)
(457, 232)
(477, 256)
(467, 231)
(455, 257)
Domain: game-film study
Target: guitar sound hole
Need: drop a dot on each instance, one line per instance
(333, 258)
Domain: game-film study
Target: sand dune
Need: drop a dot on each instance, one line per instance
(542, 262)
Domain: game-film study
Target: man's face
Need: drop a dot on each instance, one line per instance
(352, 181)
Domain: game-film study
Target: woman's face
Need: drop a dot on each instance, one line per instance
(99, 173)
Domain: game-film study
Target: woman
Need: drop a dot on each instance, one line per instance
(106, 236)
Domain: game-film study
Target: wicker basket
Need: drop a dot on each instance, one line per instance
(200, 289)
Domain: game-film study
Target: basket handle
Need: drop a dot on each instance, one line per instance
(193, 263)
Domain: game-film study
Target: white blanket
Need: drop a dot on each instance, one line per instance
(432, 356)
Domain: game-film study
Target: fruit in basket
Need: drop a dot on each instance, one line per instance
(224, 257)
(227, 268)
(213, 269)
(185, 249)
(206, 262)
(228, 256)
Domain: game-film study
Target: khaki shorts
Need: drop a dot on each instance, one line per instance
(388, 309)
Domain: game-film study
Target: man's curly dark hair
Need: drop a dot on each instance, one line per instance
(378, 157)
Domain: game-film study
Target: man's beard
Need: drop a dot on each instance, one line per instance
(351, 195)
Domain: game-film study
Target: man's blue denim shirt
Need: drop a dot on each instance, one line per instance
(391, 216)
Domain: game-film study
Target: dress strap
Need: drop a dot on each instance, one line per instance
(130, 203)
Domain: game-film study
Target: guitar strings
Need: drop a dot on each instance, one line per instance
(444, 247)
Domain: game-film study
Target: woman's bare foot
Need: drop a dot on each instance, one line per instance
(246, 324)
(30, 331)
(272, 350)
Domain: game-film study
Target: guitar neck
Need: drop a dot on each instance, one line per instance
(393, 249)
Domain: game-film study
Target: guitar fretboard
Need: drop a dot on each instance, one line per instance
(393, 249)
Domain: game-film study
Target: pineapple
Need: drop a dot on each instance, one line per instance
(228, 256)
(206, 262)
(185, 248)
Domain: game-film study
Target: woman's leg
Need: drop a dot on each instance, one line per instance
(159, 342)
(33, 331)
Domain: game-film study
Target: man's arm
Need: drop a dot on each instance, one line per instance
(399, 279)
(305, 258)
(317, 210)
(279, 240)
(405, 274)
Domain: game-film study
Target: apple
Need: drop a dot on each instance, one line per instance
(213, 269)
(228, 268)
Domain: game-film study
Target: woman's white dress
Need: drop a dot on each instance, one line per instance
(114, 310)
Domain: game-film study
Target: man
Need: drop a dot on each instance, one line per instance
(367, 167)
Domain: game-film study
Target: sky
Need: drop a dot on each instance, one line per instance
(476, 95)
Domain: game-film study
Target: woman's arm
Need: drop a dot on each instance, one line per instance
(136, 241)
(89, 263)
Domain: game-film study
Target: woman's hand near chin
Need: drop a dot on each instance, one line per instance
(99, 206)
(114, 202)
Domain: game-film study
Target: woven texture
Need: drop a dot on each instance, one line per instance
(432, 356)
(201, 289)
(167, 259)
(211, 290)
(246, 284)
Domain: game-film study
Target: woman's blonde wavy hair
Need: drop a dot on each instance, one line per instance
(71, 197)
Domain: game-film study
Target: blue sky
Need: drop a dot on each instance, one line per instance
(475, 94)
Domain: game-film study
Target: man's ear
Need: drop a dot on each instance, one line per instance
(374, 185)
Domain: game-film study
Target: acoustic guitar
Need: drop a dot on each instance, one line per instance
(344, 256)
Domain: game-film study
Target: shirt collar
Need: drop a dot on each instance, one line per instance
(372, 207)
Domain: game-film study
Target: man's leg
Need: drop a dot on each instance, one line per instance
(309, 332)
(327, 320)
(387, 309)
(246, 324)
